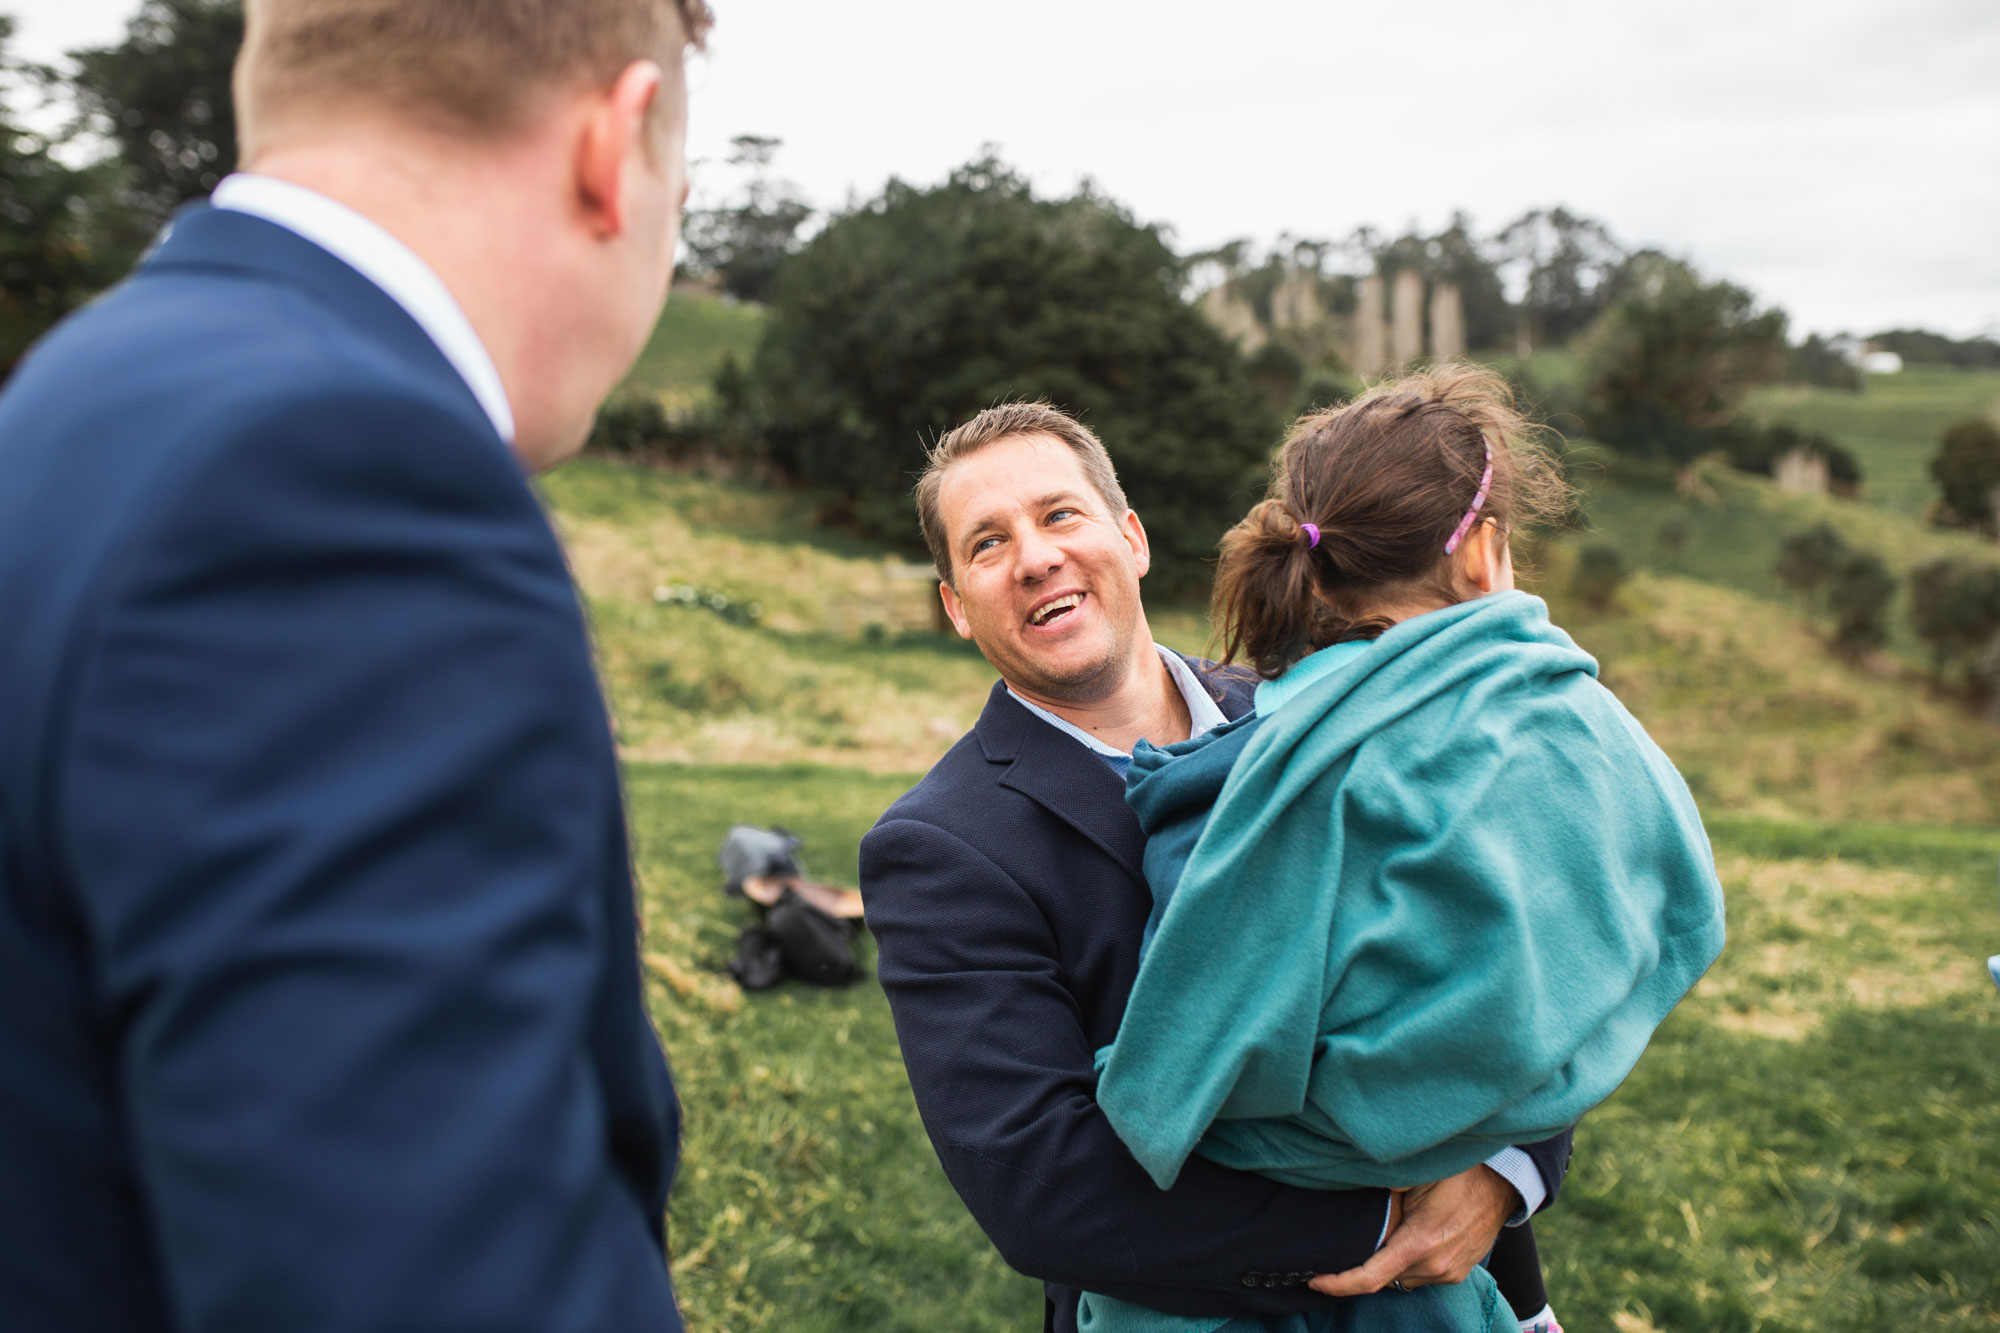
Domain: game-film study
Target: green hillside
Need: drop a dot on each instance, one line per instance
(1809, 1144)
(696, 331)
(1892, 427)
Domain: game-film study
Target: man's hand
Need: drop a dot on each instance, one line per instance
(1444, 1230)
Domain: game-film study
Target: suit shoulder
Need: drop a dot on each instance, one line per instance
(939, 797)
(165, 363)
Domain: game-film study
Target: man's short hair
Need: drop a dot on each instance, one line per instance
(1005, 422)
(474, 68)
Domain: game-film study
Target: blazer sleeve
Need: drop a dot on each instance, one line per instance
(1001, 1069)
(333, 797)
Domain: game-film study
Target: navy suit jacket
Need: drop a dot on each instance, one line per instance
(319, 995)
(1007, 899)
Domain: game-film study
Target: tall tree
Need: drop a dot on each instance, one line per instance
(1566, 267)
(913, 311)
(162, 95)
(1668, 365)
(1457, 256)
(61, 241)
(743, 242)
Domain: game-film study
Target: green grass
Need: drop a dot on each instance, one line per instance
(809, 1198)
(1811, 1142)
(694, 334)
(1730, 530)
(1892, 427)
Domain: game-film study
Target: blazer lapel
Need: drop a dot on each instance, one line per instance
(1059, 774)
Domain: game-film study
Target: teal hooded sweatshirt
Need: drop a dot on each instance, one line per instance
(1434, 905)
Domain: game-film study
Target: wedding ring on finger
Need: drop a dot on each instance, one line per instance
(1396, 1284)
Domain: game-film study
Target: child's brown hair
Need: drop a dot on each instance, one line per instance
(1386, 479)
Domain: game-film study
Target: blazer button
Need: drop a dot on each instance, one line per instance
(1253, 1279)
(1272, 1279)
(1291, 1279)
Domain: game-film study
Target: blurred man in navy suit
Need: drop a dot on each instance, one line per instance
(319, 997)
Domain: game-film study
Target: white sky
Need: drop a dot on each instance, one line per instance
(1841, 158)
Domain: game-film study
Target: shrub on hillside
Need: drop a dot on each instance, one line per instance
(912, 312)
(1967, 470)
(1759, 449)
(1599, 574)
(640, 430)
(1807, 557)
(1667, 366)
(1859, 593)
(1816, 361)
(1955, 611)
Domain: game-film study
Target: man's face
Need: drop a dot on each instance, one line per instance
(1045, 576)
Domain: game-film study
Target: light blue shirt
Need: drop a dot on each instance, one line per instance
(1204, 714)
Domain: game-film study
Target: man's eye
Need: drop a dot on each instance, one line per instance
(1061, 514)
(984, 543)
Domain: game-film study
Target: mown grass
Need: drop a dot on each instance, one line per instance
(1728, 531)
(1740, 688)
(809, 1199)
(1892, 427)
(695, 332)
(1812, 1142)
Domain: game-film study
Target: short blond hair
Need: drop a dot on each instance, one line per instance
(473, 68)
(1005, 422)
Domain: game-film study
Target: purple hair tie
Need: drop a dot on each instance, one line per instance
(1311, 530)
(1485, 484)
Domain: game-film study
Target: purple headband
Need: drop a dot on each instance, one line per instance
(1311, 530)
(1485, 484)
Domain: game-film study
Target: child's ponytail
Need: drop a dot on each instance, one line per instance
(1263, 608)
(1364, 500)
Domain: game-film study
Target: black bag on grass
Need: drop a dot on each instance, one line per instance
(795, 938)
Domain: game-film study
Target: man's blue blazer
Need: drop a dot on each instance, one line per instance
(319, 995)
(1007, 899)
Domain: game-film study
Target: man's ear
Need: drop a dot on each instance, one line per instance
(616, 131)
(955, 609)
(1135, 537)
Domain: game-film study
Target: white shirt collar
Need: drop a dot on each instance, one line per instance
(369, 249)
(1204, 714)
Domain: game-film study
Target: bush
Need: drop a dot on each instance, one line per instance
(1815, 361)
(1753, 448)
(912, 312)
(1955, 610)
(1808, 556)
(1600, 572)
(1859, 594)
(640, 430)
(1967, 470)
(1667, 366)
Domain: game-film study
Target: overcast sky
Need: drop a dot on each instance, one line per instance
(1841, 158)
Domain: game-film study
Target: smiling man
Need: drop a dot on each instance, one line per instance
(1006, 894)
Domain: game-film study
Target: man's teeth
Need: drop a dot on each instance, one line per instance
(1048, 613)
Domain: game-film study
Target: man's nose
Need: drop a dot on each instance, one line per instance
(1035, 556)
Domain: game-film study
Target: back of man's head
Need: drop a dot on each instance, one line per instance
(474, 69)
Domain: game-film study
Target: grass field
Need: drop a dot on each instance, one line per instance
(1812, 1143)
(1892, 427)
(694, 334)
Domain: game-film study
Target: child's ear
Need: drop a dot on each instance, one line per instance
(1483, 558)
